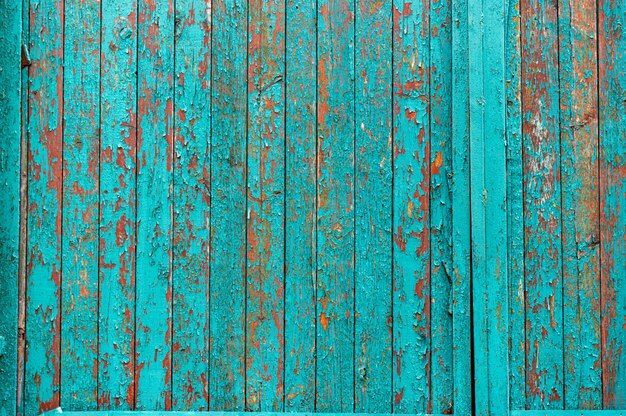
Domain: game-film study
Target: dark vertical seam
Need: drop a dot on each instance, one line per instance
(523, 98)
(284, 216)
(246, 214)
(427, 159)
(62, 111)
(99, 294)
(354, 205)
(392, 211)
(484, 196)
(316, 215)
(208, 343)
(24, 185)
(600, 185)
(172, 209)
(467, 162)
(136, 196)
(560, 175)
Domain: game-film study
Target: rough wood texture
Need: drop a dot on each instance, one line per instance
(580, 205)
(300, 205)
(45, 217)
(335, 206)
(373, 207)
(227, 373)
(118, 210)
(10, 135)
(265, 337)
(192, 206)
(286, 205)
(155, 152)
(612, 164)
(411, 208)
(81, 175)
(542, 206)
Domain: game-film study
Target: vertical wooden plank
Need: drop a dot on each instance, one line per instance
(265, 306)
(612, 142)
(461, 219)
(118, 241)
(45, 177)
(579, 180)
(542, 205)
(228, 205)
(373, 207)
(192, 197)
(10, 139)
(81, 169)
(440, 206)
(411, 208)
(515, 207)
(335, 196)
(300, 205)
(155, 70)
(487, 60)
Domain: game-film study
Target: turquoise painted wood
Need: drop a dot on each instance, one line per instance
(373, 208)
(81, 168)
(10, 155)
(300, 205)
(272, 206)
(117, 206)
(192, 207)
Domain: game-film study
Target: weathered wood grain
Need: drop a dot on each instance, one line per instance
(227, 384)
(118, 210)
(81, 176)
(192, 205)
(373, 207)
(155, 152)
(612, 167)
(542, 206)
(580, 210)
(265, 316)
(45, 188)
(411, 208)
(440, 98)
(10, 153)
(335, 204)
(300, 205)
(515, 206)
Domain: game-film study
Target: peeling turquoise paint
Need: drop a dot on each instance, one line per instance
(334, 206)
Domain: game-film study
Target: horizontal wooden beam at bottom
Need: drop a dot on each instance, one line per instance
(568, 413)
(58, 411)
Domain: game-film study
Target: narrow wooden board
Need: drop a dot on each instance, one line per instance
(612, 166)
(335, 203)
(490, 285)
(373, 207)
(542, 206)
(118, 211)
(580, 215)
(265, 316)
(300, 205)
(45, 196)
(411, 208)
(192, 206)
(461, 214)
(440, 98)
(81, 177)
(155, 143)
(227, 383)
(515, 207)
(10, 154)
